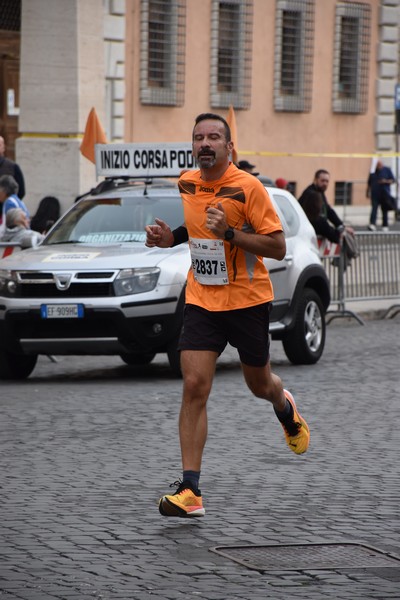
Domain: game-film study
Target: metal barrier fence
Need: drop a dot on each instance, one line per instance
(373, 275)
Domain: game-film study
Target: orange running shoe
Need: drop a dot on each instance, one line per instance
(186, 502)
(297, 432)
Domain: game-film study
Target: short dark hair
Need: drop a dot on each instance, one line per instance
(214, 117)
(320, 172)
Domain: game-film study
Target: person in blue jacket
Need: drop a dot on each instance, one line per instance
(379, 183)
(9, 198)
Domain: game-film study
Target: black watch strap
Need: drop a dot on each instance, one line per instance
(229, 234)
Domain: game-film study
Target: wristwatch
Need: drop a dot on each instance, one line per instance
(229, 234)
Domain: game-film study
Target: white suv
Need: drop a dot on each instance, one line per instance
(93, 288)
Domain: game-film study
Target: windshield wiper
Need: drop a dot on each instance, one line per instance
(64, 242)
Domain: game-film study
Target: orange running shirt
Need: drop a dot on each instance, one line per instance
(247, 207)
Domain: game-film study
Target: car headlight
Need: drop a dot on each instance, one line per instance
(8, 283)
(136, 281)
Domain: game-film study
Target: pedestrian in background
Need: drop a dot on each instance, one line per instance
(9, 167)
(244, 165)
(9, 198)
(320, 184)
(378, 190)
(231, 224)
(312, 206)
(17, 229)
(282, 184)
(48, 212)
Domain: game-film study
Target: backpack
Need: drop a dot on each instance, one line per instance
(350, 246)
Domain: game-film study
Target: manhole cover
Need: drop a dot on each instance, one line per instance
(304, 557)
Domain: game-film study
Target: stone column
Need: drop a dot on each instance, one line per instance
(389, 75)
(61, 79)
(388, 72)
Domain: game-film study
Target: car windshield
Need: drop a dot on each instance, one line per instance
(115, 220)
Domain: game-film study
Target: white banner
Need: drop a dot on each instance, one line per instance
(144, 160)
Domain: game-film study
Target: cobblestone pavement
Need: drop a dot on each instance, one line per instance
(88, 445)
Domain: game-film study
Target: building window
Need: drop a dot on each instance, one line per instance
(10, 15)
(294, 26)
(351, 57)
(231, 50)
(343, 193)
(162, 52)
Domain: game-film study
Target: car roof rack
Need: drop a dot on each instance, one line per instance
(114, 183)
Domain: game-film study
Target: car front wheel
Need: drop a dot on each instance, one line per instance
(16, 366)
(138, 359)
(304, 344)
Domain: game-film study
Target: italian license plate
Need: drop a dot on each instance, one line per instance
(61, 311)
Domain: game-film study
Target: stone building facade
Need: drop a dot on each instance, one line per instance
(308, 92)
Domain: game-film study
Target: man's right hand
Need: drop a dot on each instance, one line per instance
(159, 235)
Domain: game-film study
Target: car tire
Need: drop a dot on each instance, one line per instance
(138, 359)
(16, 366)
(304, 344)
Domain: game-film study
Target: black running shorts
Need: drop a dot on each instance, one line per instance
(245, 329)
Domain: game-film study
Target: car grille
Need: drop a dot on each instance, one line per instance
(75, 290)
(83, 284)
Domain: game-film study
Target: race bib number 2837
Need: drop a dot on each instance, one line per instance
(208, 261)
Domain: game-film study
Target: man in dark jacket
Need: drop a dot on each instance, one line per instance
(379, 182)
(9, 167)
(320, 184)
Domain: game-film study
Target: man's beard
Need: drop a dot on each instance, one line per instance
(206, 160)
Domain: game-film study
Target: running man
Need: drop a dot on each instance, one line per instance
(231, 225)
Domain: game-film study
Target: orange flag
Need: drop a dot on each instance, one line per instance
(231, 120)
(94, 134)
